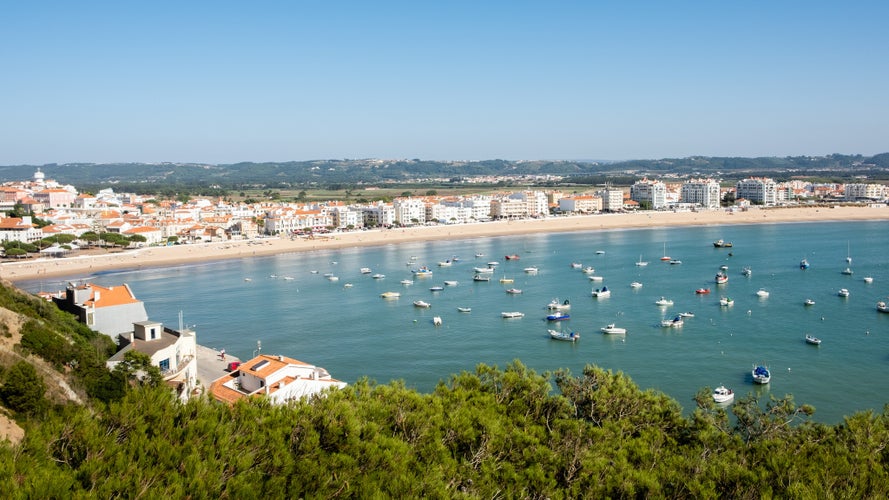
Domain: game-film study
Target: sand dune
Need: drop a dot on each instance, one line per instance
(179, 254)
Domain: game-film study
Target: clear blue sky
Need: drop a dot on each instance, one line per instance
(223, 82)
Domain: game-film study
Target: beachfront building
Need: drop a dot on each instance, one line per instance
(279, 378)
(650, 193)
(584, 204)
(758, 190)
(612, 200)
(479, 207)
(174, 352)
(108, 310)
(704, 193)
(536, 201)
(346, 217)
(409, 211)
(864, 192)
(19, 229)
(379, 215)
(447, 214)
(508, 208)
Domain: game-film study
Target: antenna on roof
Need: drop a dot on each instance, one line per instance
(181, 324)
(258, 349)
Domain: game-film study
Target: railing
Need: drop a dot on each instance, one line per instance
(183, 363)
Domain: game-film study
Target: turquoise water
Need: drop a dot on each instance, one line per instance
(354, 333)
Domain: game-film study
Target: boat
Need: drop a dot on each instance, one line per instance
(407, 282)
(663, 301)
(248, 279)
(746, 272)
(722, 394)
(600, 252)
(809, 302)
(722, 244)
(811, 339)
(288, 278)
(702, 291)
(762, 293)
(761, 374)
(726, 301)
(483, 270)
(676, 322)
(506, 280)
(882, 307)
(804, 264)
(451, 283)
(379, 276)
(588, 270)
(635, 284)
(576, 265)
(641, 262)
(558, 316)
(721, 278)
(568, 337)
(481, 277)
(464, 309)
(723, 267)
(555, 305)
(445, 263)
(390, 295)
(675, 261)
(512, 314)
(868, 279)
(531, 270)
(843, 292)
(597, 278)
(333, 278)
(511, 257)
(422, 304)
(666, 257)
(611, 329)
(847, 271)
(687, 314)
(436, 320)
(602, 293)
(347, 285)
(422, 272)
(493, 263)
(848, 254)
(479, 254)
(436, 288)
(365, 270)
(514, 291)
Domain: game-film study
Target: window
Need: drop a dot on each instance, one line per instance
(164, 365)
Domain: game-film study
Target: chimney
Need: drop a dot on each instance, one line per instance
(280, 358)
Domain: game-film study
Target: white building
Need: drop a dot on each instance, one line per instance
(409, 211)
(758, 190)
(580, 204)
(857, 192)
(612, 200)
(654, 193)
(279, 378)
(704, 193)
(379, 215)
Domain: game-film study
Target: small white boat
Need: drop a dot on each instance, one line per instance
(445, 263)
(422, 304)
(635, 284)
(407, 282)
(576, 265)
(365, 270)
(676, 322)
(687, 314)
(464, 309)
(588, 270)
(847, 271)
(762, 293)
(868, 279)
(613, 330)
(436, 288)
(531, 270)
(513, 291)
(761, 374)
(568, 337)
(248, 279)
(747, 272)
(288, 278)
(436, 320)
(810, 339)
(493, 263)
(809, 302)
(481, 277)
(347, 285)
(726, 301)
(721, 278)
(512, 314)
(883, 307)
(451, 283)
(333, 278)
(663, 302)
(483, 270)
(379, 276)
(675, 261)
(506, 280)
(390, 295)
(600, 252)
(641, 262)
(602, 293)
(555, 305)
(479, 254)
(843, 292)
(722, 394)
(597, 278)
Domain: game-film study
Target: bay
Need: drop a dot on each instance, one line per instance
(247, 306)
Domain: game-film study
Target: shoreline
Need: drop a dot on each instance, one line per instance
(151, 257)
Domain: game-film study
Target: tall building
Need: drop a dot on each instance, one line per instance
(653, 193)
(612, 200)
(758, 190)
(702, 192)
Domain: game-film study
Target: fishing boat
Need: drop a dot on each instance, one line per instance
(762, 293)
(635, 284)
(811, 339)
(883, 307)
(512, 314)
(722, 244)
(746, 272)
(422, 272)
(481, 277)
(558, 316)
(804, 264)
(602, 293)
(511, 257)
(676, 322)
(451, 283)
(663, 302)
(422, 304)
(390, 295)
(761, 374)
(843, 292)
(722, 394)
(721, 278)
(611, 329)
(567, 337)
(555, 305)
(464, 309)
(702, 291)
(809, 302)
(513, 291)
(726, 302)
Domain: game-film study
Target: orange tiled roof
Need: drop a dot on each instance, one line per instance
(111, 296)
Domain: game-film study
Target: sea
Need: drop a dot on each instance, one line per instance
(289, 304)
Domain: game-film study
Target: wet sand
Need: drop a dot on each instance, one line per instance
(201, 252)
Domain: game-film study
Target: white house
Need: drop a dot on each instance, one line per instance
(279, 378)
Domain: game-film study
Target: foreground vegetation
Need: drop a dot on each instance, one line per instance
(492, 433)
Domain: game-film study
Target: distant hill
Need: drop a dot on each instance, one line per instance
(351, 172)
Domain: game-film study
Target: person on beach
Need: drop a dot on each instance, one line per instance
(222, 354)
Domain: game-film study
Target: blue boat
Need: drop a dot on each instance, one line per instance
(804, 264)
(559, 316)
(761, 374)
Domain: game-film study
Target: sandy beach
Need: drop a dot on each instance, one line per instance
(201, 252)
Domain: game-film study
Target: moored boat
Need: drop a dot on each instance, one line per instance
(843, 292)
(762, 293)
(847, 271)
(531, 270)
(640, 262)
(635, 284)
(746, 272)
(506, 280)
(868, 279)
(422, 304)
(676, 322)
(365, 270)
(464, 309)
(436, 320)
(451, 283)
(422, 272)
(511, 257)
(378, 276)
(663, 301)
(576, 265)
(702, 291)
(390, 295)
(566, 336)
(558, 316)
(513, 291)
(721, 278)
(726, 301)
(555, 305)
(612, 329)
(761, 374)
(809, 302)
(602, 293)
(723, 394)
(481, 277)
(804, 264)
(687, 314)
(407, 282)
(810, 339)
(882, 306)
(436, 288)
(512, 314)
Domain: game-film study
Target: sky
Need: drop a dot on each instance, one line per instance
(230, 81)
